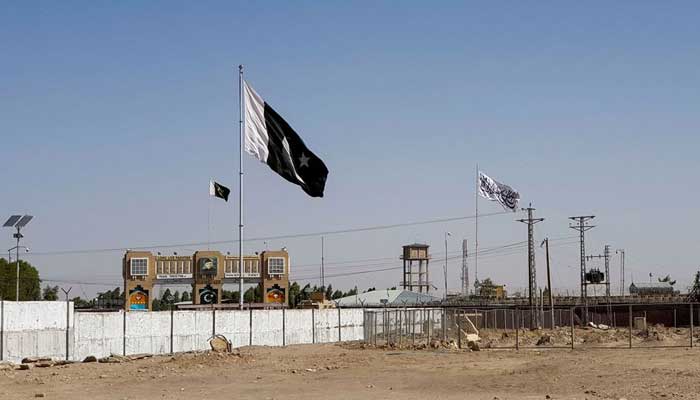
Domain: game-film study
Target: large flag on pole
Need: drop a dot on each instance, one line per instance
(497, 191)
(270, 139)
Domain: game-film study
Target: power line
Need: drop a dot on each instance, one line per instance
(264, 238)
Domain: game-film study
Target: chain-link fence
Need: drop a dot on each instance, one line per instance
(599, 326)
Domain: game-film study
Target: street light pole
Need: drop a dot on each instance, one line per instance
(446, 235)
(9, 251)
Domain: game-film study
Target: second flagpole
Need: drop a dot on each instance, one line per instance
(240, 187)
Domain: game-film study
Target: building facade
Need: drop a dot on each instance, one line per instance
(207, 272)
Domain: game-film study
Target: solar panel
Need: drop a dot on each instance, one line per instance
(13, 220)
(24, 221)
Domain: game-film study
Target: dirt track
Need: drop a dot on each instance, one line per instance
(349, 372)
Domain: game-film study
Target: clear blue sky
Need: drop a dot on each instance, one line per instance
(115, 114)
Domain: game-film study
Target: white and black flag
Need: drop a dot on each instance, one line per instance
(497, 191)
(270, 139)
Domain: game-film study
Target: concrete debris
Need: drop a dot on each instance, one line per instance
(44, 364)
(220, 344)
(25, 366)
(545, 340)
(90, 359)
(473, 345)
(29, 360)
(599, 326)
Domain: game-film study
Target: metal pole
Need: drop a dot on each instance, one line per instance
(691, 325)
(240, 187)
(172, 315)
(571, 318)
(67, 321)
(549, 284)
(313, 326)
(323, 278)
(17, 289)
(375, 327)
(517, 331)
(2, 326)
(284, 322)
(459, 329)
(445, 271)
(250, 324)
(630, 328)
(476, 230)
(413, 327)
(124, 333)
(339, 326)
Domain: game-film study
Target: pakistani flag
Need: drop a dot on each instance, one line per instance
(270, 139)
(218, 190)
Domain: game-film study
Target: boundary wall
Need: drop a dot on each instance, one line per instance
(38, 329)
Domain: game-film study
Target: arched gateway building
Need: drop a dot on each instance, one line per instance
(207, 272)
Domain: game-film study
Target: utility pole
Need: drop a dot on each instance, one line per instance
(582, 227)
(532, 274)
(622, 270)
(465, 269)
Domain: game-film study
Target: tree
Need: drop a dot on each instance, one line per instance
(249, 295)
(50, 293)
(29, 282)
(293, 295)
(329, 292)
(337, 294)
(667, 278)
(177, 296)
(185, 296)
(80, 303)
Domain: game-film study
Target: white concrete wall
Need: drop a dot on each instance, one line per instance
(39, 329)
(98, 334)
(35, 329)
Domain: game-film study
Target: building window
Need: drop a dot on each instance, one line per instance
(275, 266)
(139, 266)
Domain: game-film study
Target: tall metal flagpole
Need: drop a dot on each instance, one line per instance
(240, 187)
(476, 239)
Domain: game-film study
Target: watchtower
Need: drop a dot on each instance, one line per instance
(415, 268)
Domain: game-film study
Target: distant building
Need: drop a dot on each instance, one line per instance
(207, 272)
(489, 290)
(651, 289)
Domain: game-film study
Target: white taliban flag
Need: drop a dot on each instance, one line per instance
(497, 191)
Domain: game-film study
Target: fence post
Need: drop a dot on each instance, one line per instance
(571, 320)
(459, 330)
(284, 322)
(124, 333)
(2, 327)
(313, 326)
(213, 321)
(375, 327)
(674, 317)
(250, 325)
(413, 327)
(443, 317)
(339, 326)
(517, 331)
(67, 325)
(172, 314)
(630, 333)
(691, 325)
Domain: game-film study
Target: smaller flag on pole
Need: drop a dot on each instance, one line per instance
(218, 190)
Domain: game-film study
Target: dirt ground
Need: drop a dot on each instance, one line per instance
(354, 371)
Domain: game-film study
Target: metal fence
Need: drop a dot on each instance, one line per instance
(600, 326)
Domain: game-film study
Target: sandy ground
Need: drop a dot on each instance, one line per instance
(348, 371)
